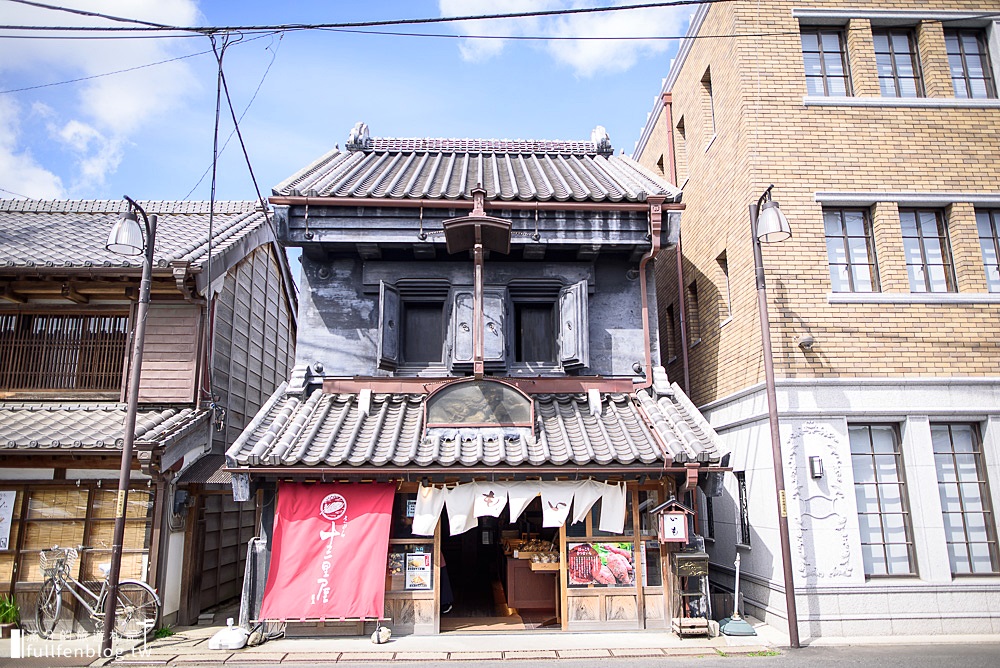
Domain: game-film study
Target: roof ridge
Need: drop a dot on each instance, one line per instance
(474, 145)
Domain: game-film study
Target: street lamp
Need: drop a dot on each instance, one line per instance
(768, 224)
(126, 239)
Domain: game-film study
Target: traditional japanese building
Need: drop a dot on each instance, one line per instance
(477, 330)
(219, 334)
(876, 124)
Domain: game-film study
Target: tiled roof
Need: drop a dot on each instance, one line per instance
(72, 233)
(330, 430)
(451, 168)
(206, 470)
(89, 425)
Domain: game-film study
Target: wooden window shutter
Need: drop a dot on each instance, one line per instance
(388, 326)
(494, 333)
(574, 337)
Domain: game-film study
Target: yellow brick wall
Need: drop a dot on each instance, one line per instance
(765, 134)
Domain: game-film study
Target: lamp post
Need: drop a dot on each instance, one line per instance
(126, 239)
(768, 224)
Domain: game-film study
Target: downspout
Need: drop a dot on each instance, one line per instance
(672, 169)
(655, 222)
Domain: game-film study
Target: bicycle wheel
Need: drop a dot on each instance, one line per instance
(137, 611)
(48, 607)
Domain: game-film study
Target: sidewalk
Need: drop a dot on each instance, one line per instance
(189, 648)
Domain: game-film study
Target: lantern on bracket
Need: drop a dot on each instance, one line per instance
(672, 521)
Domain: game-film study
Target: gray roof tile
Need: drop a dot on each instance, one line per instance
(89, 425)
(330, 430)
(72, 233)
(450, 168)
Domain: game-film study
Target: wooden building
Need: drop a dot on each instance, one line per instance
(220, 337)
(479, 315)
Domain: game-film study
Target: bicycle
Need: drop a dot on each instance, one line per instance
(137, 609)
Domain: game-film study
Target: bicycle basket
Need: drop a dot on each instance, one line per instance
(55, 559)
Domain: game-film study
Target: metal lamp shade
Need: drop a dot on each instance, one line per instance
(771, 223)
(126, 236)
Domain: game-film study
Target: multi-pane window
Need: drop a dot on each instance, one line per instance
(969, 62)
(928, 253)
(743, 538)
(897, 64)
(825, 60)
(965, 498)
(988, 223)
(883, 514)
(850, 250)
(52, 351)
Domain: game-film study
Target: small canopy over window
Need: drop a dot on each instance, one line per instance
(478, 403)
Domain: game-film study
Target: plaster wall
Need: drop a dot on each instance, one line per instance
(339, 309)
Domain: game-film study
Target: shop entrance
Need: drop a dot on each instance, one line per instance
(493, 584)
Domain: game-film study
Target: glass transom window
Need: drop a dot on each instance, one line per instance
(478, 403)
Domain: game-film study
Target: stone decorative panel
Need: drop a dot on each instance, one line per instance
(820, 537)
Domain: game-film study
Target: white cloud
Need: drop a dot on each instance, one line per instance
(94, 120)
(20, 174)
(586, 57)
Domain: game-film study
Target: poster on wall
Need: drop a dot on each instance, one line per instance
(601, 565)
(6, 517)
(418, 570)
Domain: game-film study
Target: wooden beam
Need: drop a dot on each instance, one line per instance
(69, 291)
(12, 296)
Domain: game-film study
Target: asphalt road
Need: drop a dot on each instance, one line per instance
(950, 655)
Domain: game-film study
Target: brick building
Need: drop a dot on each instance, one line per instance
(877, 124)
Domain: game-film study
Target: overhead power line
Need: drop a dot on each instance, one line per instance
(103, 74)
(209, 30)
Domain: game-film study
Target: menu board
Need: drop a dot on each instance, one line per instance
(418, 570)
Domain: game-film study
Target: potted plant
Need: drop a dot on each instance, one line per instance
(9, 615)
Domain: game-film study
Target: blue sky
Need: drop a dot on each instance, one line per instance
(148, 133)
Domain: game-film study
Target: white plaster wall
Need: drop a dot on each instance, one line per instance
(833, 596)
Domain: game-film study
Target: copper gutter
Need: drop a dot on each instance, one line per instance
(529, 470)
(655, 221)
(467, 204)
